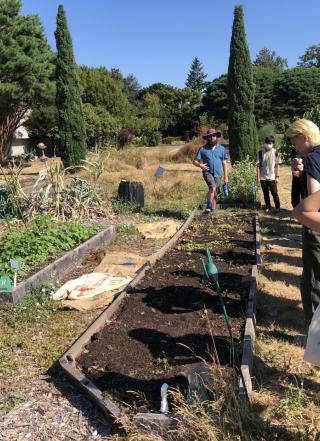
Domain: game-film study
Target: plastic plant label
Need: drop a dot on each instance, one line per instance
(5, 283)
(159, 172)
(14, 264)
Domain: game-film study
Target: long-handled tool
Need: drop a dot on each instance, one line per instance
(210, 273)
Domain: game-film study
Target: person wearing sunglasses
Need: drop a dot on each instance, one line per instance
(212, 159)
(304, 136)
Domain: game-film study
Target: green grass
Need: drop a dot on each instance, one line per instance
(126, 230)
(35, 307)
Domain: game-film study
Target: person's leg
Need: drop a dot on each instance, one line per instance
(215, 193)
(274, 192)
(295, 191)
(265, 190)
(209, 179)
(310, 281)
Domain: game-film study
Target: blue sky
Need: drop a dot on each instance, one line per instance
(157, 40)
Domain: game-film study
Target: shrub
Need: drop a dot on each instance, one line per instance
(241, 182)
(152, 139)
(266, 130)
(124, 137)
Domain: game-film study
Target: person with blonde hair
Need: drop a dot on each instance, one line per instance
(305, 138)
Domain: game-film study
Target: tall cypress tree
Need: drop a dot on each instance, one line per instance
(243, 140)
(196, 76)
(68, 98)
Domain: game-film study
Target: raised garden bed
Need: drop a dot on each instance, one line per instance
(164, 327)
(57, 269)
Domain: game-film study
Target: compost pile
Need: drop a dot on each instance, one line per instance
(172, 320)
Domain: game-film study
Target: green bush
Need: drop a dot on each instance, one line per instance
(264, 131)
(242, 179)
(41, 240)
(152, 139)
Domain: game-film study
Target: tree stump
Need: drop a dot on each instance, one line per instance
(132, 192)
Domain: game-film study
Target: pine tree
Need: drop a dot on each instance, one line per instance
(68, 98)
(243, 140)
(26, 69)
(196, 76)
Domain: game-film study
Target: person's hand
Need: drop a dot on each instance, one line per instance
(299, 167)
(204, 167)
(295, 173)
(226, 181)
(296, 162)
(277, 179)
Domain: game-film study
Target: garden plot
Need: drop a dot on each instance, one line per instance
(171, 321)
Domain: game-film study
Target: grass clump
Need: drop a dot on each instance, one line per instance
(38, 306)
(42, 239)
(126, 230)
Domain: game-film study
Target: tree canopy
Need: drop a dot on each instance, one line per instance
(26, 67)
(311, 57)
(269, 59)
(196, 77)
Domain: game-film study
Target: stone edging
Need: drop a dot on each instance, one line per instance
(59, 267)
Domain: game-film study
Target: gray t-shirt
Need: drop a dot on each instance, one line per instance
(267, 161)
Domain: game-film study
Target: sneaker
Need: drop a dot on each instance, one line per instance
(213, 211)
(277, 210)
(209, 207)
(267, 210)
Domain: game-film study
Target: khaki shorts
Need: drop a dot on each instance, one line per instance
(211, 181)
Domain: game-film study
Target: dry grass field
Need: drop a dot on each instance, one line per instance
(38, 404)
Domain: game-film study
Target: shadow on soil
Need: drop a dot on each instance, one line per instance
(167, 301)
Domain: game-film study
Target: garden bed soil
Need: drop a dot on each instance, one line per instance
(170, 320)
(136, 244)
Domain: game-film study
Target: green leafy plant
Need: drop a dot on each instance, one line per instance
(241, 182)
(163, 361)
(41, 240)
(294, 396)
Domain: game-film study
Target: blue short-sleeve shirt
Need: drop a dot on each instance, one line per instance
(212, 157)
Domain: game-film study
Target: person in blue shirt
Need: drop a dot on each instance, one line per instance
(212, 159)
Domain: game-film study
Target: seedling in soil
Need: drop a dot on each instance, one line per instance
(163, 361)
(294, 396)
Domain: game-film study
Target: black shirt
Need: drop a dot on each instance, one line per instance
(311, 167)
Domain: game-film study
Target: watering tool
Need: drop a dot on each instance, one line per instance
(210, 272)
(164, 399)
(225, 188)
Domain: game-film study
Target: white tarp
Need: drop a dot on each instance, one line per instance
(90, 285)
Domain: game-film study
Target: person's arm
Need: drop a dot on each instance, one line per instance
(225, 171)
(200, 165)
(313, 184)
(307, 212)
(258, 172)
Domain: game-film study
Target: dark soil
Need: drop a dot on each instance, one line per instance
(171, 321)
